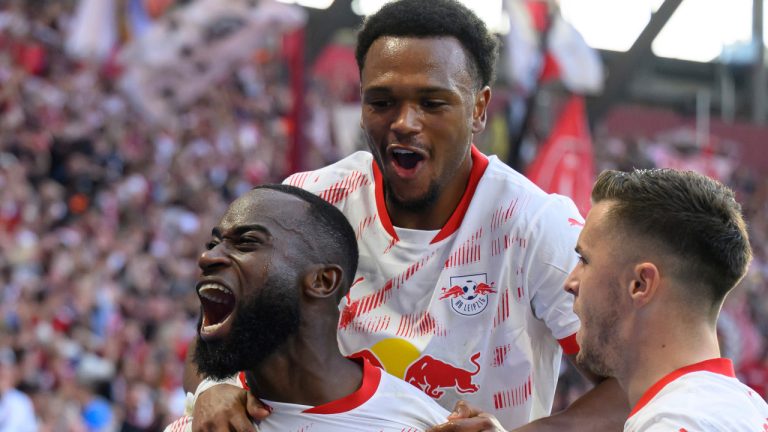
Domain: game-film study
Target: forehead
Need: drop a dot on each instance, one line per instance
(270, 208)
(440, 59)
(597, 225)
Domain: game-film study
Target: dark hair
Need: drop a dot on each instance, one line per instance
(433, 18)
(332, 229)
(684, 213)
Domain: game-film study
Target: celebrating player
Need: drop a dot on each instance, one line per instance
(462, 259)
(658, 254)
(278, 263)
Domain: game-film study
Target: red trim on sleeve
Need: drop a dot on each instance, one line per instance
(722, 366)
(371, 380)
(569, 344)
(479, 164)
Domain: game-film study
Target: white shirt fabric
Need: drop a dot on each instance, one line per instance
(382, 403)
(474, 312)
(705, 396)
(16, 412)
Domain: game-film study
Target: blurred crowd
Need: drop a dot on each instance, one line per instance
(103, 215)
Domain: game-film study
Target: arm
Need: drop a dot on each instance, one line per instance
(602, 408)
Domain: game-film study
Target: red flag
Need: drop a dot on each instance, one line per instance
(564, 163)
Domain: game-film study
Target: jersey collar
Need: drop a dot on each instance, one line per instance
(721, 366)
(479, 164)
(371, 380)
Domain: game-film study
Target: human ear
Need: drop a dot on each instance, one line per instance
(323, 281)
(644, 283)
(480, 110)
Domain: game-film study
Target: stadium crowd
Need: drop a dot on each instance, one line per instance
(103, 215)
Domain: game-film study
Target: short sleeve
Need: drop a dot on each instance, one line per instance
(553, 237)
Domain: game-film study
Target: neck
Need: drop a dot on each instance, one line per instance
(308, 369)
(436, 214)
(664, 349)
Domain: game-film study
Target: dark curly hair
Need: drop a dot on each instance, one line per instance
(433, 18)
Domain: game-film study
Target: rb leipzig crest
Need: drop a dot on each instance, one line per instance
(468, 294)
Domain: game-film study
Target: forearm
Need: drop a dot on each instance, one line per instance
(603, 408)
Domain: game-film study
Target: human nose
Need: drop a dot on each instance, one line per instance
(572, 284)
(408, 120)
(212, 258)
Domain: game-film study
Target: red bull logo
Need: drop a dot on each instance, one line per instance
(432, 375)
(468, 294)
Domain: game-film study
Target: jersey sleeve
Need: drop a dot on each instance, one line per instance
(676, 422)
(553, 239)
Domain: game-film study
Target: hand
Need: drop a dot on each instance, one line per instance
(466, 418)
(223, 408)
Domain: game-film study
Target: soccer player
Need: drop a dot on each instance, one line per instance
(272, 276)
(462, 259)
(658, 254)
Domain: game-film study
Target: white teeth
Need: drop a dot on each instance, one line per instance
(212, 327)
(212, 296)
(402, 151)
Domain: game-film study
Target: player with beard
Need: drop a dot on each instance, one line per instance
(273, 273)
(659, 252)
(462, 259)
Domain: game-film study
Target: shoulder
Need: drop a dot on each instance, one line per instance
(412, 402)
(357, 164)
(501, 180)
(703, 401)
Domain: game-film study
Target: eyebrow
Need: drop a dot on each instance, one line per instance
(216, 231)
(421, 90)
(578, 250)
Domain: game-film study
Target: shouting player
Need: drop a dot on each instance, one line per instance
(278, 263)
(462, 259)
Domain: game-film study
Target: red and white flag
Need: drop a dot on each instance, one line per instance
(564, 164)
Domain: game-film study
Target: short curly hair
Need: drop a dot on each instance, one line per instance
(433, 18)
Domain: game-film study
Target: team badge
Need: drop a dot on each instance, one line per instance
(468, 294)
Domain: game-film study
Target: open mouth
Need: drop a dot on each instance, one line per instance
(406, 159)
(218, 304)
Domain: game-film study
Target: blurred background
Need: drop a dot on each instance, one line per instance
(127, 126)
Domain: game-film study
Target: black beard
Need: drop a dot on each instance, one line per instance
(259, 328)
(418, 204)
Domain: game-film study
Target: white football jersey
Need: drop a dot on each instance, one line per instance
(705, 396)
(473, 311)
(383, 403)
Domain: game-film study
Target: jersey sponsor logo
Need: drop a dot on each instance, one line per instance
(574, 222)
(468, 294)
(431, 375)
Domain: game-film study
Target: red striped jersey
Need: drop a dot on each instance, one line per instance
(472, 311)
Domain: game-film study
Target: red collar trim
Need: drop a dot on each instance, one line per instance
(479, 164)
(371, 380)
(722, 366)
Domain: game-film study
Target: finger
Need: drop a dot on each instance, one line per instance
(475, 424)
(241, 424)
(462, 409)
(256, 409)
